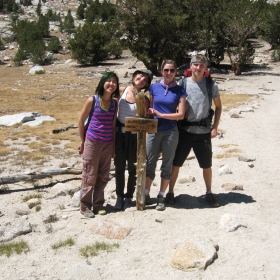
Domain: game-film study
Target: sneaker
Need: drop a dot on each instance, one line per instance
(119, 203)
(169, 199)
(102, 212)
(160, 203)
(148, 200)
(88, 215)
(127, 203)
(211, 199)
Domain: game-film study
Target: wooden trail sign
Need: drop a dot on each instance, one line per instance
(141, 125)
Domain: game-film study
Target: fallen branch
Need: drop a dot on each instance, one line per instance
(58, 130)
(45, 173)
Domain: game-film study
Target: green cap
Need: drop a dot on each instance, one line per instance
(144, 71)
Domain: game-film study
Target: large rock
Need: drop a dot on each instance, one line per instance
(14, 228)
(230, 222)
(28, 118)
(110, 230)
(61, 189)
(194, 255)
(35, 69)
(247, 158)
(232, 187)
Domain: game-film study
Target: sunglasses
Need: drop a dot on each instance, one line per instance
(169, 70)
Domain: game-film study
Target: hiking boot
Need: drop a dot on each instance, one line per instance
(211, 199)
(160, 203)
(169, 199)
(148, 200)
(127, 203)
(119, 203)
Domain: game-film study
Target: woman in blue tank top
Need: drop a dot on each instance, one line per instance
(168, 102)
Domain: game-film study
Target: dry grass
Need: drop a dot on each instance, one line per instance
(229, 153)
(65, 93)
(60, 95)
(230, 101)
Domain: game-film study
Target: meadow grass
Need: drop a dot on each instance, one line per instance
(93, 250)
(13, 247)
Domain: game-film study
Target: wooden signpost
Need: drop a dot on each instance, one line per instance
(141, 125)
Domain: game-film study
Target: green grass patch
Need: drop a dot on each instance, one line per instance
(93, 250)
(30, 196)
(68, 242)
(38, 208)
(14, 247)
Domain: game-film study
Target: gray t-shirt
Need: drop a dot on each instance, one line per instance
(197, 103)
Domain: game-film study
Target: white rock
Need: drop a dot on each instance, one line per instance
(224, 170)
(230, 222)
(34, 69)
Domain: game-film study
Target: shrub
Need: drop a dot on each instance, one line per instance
(54, 45)
(275, 56)
(40, 72)
(19, 57)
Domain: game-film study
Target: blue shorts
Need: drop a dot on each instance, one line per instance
(201, 145)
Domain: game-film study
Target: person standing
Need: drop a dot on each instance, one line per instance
(126, 142)
(97, 144)
(167, 104)
(197, 132)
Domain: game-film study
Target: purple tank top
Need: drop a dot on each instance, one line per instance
(100, 128)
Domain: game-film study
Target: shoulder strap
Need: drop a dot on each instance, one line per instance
(115, 106)
(87, 121)
(92, 108)
(209, 85)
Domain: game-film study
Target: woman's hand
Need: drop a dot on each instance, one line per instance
(154, 112)
(81, 148)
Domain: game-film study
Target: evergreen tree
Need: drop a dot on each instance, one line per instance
(81, 11)
(239, 21)
(43, 26)
(54, 45)
(26, 2)
(38, 52)
(271, 24)
(19, 57)
(39, 8)
(88, 45)
(152, 33)
(68, 24)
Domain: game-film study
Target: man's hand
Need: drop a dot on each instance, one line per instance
(214, 132)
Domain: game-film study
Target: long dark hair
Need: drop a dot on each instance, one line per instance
(100, 88)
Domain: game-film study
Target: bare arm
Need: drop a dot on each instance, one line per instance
(172, 116)
(84, 114)
(218, 112)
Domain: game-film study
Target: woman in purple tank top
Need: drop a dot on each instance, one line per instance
(97, 144)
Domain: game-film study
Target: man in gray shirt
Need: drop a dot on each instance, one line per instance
(196, 132)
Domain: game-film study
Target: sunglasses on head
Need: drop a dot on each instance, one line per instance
(169, 70)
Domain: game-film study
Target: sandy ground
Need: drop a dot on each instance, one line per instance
(146, 253)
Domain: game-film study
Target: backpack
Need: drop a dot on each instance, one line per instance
(206, 122)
